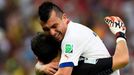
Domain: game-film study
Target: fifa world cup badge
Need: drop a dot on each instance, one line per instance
(68, 48)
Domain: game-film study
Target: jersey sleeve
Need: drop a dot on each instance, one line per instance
(71, 52)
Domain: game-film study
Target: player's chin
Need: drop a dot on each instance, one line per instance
(59, 39)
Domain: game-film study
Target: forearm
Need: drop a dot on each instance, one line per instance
(118, 28)
(48, 69)
(121, 56)
(64, 71)
(38, 72)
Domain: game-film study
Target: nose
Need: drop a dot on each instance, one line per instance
(52, 32)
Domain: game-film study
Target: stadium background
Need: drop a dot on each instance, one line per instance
(19, 22)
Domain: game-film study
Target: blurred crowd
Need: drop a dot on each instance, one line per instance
(19, 22)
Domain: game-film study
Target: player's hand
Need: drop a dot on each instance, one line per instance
(49, 69)
(115, 24)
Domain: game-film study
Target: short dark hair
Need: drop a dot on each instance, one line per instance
(45, 47)
(45, 10)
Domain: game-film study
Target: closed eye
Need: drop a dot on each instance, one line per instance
(46, 29)
(54, 25)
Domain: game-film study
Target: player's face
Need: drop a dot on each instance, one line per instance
(55, 26)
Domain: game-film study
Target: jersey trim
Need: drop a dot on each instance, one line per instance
(66, 64)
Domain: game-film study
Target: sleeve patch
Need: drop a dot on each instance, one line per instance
(68, 48)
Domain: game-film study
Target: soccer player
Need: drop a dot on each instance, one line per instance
(79, 41)
(47, 50)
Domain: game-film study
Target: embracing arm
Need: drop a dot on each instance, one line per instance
(64, 71)
(49, 69)
(121, 56)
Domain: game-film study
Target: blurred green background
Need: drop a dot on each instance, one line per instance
(19, 22)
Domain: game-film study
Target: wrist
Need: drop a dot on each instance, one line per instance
(120, 39)
(39, 66)
(120, 35)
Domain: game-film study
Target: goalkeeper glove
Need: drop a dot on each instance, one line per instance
(117, 27)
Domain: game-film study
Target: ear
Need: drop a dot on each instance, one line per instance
(64, 17)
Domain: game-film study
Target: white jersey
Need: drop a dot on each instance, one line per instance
(78, 41)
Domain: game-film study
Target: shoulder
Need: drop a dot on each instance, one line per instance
(77, 32)
(76, 35)
(78, 26)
